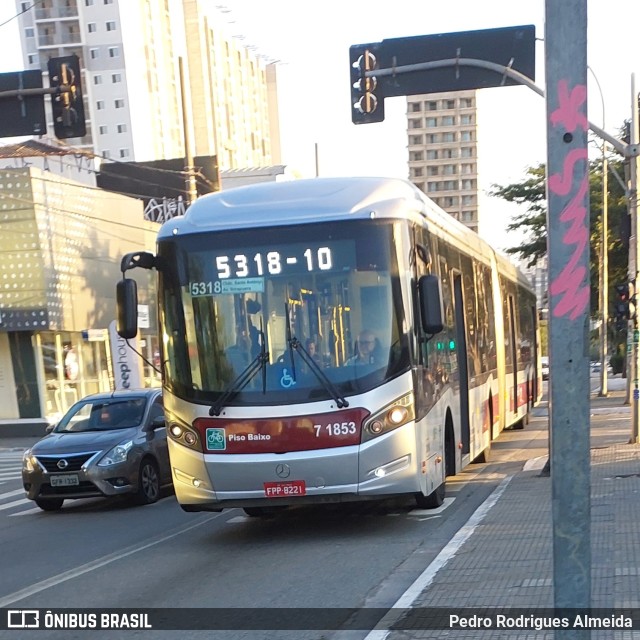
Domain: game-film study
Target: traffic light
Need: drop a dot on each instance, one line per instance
(66, 102)
(622, 308)
(367, 98)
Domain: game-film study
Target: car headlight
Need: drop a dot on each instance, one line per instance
(117, 454)
(29, 462)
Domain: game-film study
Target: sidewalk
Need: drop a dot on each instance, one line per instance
(507, 559)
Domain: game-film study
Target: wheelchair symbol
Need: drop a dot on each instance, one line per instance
(286, 380)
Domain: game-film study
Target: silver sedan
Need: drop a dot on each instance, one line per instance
(107, 444)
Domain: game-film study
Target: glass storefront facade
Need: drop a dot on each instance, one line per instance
(60, 249)
(73, 365)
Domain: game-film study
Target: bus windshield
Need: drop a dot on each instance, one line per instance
(329, 292)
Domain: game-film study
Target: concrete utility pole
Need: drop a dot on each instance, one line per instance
(634, 260)
(568, 251)
(190, 180)
(604, 257)
(604, 273)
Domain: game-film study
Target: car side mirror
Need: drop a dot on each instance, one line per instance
(49, 428)
(158, 422)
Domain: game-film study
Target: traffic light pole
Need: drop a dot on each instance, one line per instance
(65, 89)
(23, 93)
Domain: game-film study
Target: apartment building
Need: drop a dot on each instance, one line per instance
(442, 133)
(129, 52)
(234, 105)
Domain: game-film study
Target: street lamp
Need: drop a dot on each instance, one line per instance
(604, 257)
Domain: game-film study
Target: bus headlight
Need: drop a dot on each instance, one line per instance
(186, 436)
(391, 417)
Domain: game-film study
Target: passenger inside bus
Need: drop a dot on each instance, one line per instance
(239, 355)
(312, 350)
(367, 349)
(253, 307)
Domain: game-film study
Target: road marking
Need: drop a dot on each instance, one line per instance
(238, 519)
(535, 464)
(96, 564)
(9, 494)
(427, 576)
(430, 512)
(15, 503)
(24, 513)
(10, 475)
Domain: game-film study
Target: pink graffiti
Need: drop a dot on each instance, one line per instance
(561, 184)
(568, 112)
(575, 295)
(570, 283)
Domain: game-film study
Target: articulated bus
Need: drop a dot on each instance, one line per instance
(332, 340)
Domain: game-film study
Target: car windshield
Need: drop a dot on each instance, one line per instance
(102, 415)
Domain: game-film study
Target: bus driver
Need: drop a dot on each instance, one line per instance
(367, 351)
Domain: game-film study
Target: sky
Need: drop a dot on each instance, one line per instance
(312, 39)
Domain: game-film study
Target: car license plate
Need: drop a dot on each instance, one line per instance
(283, 489)
(66, 480)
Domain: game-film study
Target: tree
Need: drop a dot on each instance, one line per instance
(533, 222)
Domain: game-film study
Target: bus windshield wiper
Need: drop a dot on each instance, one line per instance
(295, 344)
(259, 363)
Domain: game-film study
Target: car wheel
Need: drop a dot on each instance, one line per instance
(52, 504)
(148, 483)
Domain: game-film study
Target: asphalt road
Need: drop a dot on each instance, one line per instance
(97, 553)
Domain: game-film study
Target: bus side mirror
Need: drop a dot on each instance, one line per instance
(431, 313)
(127, 308)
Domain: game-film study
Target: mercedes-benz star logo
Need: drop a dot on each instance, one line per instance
(62, 464)
(283, 471)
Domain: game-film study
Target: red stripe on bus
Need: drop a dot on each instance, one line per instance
(281, 434)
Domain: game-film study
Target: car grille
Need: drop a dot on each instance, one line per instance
(83, 487)
(75, 461)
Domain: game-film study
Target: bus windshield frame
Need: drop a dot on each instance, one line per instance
(339, 290)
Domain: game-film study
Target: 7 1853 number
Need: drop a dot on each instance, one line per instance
(335, 429)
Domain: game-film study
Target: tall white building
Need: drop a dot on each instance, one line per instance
(442, 132)
(129, 51)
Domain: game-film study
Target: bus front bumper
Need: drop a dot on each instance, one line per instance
(378, 469)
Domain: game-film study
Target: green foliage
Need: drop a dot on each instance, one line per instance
(531, 193)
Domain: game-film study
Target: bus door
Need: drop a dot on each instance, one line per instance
(463, 368)
(514, 352)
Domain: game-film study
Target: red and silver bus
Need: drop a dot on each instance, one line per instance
(329, 340)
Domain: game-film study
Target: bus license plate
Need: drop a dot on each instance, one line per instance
(283, 489)
(67, 480)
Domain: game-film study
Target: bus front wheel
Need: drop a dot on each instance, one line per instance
(433, 500)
